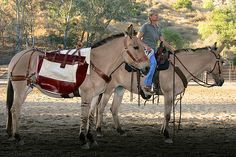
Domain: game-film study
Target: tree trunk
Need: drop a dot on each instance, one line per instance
(18, 26)
(66, 31)
(3, 40)
(67, 25)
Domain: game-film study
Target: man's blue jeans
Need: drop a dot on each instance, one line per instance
(149, 76)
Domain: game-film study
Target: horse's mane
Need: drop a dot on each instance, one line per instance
(103, 41)
(190, 50)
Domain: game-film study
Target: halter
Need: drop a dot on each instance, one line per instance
(142, 59)
(107, 78)
(216, 63)
(205, 84)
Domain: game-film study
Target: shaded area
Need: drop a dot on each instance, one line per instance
(50, 138)
(50, 127)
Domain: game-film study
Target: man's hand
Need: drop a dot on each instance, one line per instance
(147, 48)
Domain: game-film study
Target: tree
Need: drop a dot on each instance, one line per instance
(19, 17)
(173, 37)
(96, 15)
(61, 14)
(222, 22)
(32, 11)
(5, 20)
(183, 4)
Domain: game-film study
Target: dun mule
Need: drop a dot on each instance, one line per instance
(106, 55)
(190, 61)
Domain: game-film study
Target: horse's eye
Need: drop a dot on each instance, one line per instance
(136, 47)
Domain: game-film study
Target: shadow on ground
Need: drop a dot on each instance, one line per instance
(48, 139)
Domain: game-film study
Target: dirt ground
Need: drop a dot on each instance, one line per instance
(50, 127)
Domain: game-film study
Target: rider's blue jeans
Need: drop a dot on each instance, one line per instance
(149, 76)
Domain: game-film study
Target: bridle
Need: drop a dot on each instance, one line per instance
(136, 61)
(107, 78)
(216, 63)
(197, 80)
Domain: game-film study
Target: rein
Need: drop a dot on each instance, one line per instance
(197, 80)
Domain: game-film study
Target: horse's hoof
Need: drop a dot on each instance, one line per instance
(85, 146)
(121, 132)
(94, 144)
(11, 138)
(99, 134)
(124, 134)
(20, 143)
(169, 141)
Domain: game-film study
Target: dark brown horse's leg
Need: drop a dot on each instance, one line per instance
(9, 103)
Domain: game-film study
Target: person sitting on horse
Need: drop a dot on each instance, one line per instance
(150, 34)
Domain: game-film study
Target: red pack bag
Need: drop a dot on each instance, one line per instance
(61, 73)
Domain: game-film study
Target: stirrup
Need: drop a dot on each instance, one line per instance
(148, 90)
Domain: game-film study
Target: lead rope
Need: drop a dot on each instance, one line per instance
(180, 108)
(173, 98)
(195, 79)
(138, 86)
(131, 86)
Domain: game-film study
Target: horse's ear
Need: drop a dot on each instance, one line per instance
(161, 44)
(221, 47)
(130, 30)
(215, 44)
(213, 47)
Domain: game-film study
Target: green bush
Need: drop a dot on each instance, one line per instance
(54, 39)
(183, 4)
(220, 22)
(173, 37)
(208, 4)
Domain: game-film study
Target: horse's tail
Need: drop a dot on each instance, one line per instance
(10, 96)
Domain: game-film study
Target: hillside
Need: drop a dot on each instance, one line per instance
(183, 21)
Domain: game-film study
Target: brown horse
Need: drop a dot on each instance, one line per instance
(106, 57)
(190, 61)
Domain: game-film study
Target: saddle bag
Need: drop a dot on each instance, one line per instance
(61, 73)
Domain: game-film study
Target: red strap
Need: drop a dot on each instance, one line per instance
(106, 78)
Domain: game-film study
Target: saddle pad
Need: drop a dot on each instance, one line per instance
(51, 76)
